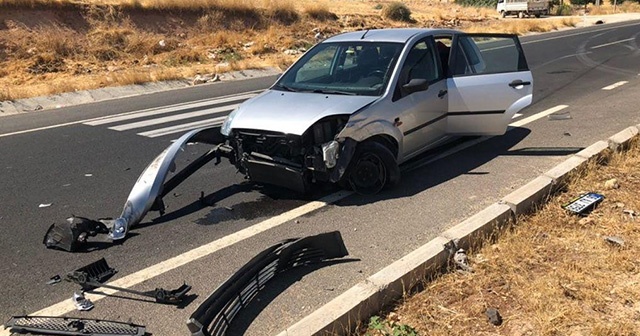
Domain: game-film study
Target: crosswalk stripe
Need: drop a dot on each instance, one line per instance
(182, 128)
(151, 122)
(168, 109)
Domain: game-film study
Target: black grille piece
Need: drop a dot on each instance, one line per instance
(215, 314)
(49, 325)
(287, 146)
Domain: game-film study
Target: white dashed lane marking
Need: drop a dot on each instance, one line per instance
(615, 85)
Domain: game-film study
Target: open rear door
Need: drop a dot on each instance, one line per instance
(489, 83)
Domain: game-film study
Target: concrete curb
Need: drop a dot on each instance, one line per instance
(91, 96)
(345, 312)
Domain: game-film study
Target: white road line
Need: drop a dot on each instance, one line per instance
(612, 43)
(150, 272)
(92, 120)
(167, 109)
(538, 116)
(182, 128)
(615, 85)
(517, 115)
(157, 121)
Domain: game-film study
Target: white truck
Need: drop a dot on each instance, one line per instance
(523, 7)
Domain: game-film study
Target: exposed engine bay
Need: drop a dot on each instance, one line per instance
(288, 160)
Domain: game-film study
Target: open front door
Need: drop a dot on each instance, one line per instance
(489, 83)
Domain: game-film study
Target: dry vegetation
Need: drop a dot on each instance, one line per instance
(551, 274)
(53, 46)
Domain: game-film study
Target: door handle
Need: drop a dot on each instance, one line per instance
(442, 93)
(518, 82)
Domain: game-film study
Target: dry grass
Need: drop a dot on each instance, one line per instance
(551, 274)
(47, 49)
(520, 27)
(607, 8)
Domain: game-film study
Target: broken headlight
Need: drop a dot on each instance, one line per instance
(226, 125)
(330, 153)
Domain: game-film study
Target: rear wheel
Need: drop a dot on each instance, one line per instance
(372, 167)
(537, 15)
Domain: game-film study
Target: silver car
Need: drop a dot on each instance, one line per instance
(358, 104)
(352, 109)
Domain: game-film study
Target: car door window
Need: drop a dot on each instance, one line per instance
(484, 54)
(421, 63)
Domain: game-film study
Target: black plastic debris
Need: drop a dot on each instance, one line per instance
(584, 203)
(96, 272)
(47, 325)
(54, 280)
(215, 314)
(72, 233)
(93, 275)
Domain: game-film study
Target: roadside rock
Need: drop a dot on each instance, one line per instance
(494, 316)
(201, 79)
(611, 184)
(614, 240)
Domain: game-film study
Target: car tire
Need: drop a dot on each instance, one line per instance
(503, 14)
(537, 16)
(521, 15)
(372, 168)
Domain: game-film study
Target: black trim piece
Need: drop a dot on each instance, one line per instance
(216, 313)
(424, 125)
(57, 325)
(464, 113)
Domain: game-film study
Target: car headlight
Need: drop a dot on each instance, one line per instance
(226, 125)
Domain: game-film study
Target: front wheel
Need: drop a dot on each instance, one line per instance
(503, 14)
(373, 166)
(521, 15)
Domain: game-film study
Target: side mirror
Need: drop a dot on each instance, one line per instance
(415, 85)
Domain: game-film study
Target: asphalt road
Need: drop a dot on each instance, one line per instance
(88, 170)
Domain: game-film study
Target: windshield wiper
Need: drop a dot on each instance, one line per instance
(335, 92)
(287, 88)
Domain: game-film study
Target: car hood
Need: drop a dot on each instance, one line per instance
(293, 112)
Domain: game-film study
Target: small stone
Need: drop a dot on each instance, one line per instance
(297, 221)
(461, 260)
(619, 205)
(567, 134)
(291, 52)
(228, 208)
(162, 43)
(614, 240)
(611, 184)
(494, 316)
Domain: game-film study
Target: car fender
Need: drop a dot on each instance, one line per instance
(360, 133)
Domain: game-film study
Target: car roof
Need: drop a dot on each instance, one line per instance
(401, 35)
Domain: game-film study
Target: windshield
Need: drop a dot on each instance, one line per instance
(350, 68)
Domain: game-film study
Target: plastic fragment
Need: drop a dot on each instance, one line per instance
(54, 279)
(82, 303)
